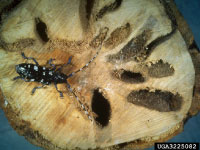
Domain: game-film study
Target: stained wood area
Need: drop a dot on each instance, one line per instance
(136, 85)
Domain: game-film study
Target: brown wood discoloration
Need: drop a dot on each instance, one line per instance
(118, 36)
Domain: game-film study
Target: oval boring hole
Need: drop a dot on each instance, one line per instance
(41, 29)
(101, 107)
(128, 76)
(108, 8)
(132, 77)
(89, 5)
(10, 5)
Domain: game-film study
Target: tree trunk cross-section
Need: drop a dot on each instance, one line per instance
(138, 90)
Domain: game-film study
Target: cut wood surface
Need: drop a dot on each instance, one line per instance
(138, 90)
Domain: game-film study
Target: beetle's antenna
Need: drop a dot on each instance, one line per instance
(86, 65)
(79, 101)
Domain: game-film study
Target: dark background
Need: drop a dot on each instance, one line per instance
(190, 9)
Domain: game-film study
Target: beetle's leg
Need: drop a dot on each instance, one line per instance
(26, 80)
(28, 58)
(49, 62)
(35, 88)
(69, 61)
(18, 77)
(61, 94)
